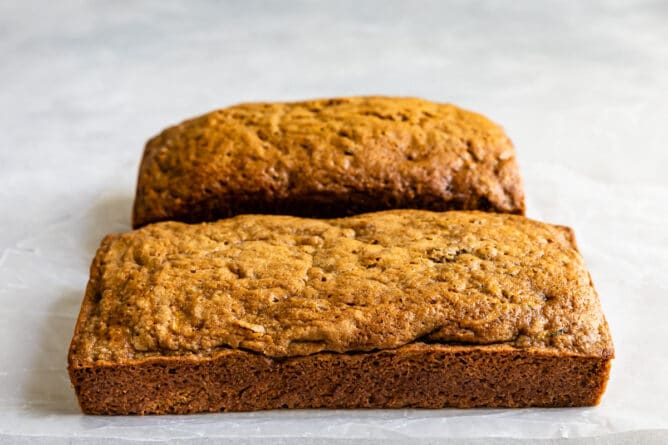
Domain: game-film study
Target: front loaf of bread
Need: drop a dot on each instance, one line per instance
(402, 308)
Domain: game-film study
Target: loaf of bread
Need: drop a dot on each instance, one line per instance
(402, 308)
(326, 159)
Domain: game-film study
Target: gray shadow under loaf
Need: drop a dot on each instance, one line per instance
(110, 214)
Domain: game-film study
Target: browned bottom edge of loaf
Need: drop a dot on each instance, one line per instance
(418, 375)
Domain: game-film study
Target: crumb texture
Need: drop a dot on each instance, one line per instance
(327, 158)
(286, 286)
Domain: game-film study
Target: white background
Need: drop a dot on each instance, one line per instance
(581, 88)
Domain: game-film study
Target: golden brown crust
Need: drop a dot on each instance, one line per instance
(90, 298)
(327, 158)
(285, 286)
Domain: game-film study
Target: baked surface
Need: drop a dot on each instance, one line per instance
(285, 295)
(327, 158)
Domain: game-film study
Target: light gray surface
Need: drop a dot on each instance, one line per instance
(581, 87)
(628, 438)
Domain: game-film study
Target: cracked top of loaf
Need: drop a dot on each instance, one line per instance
(284, 286)
(327, 158)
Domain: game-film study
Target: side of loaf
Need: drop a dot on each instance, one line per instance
(417, 375)
(327, 158)
(388, 309)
